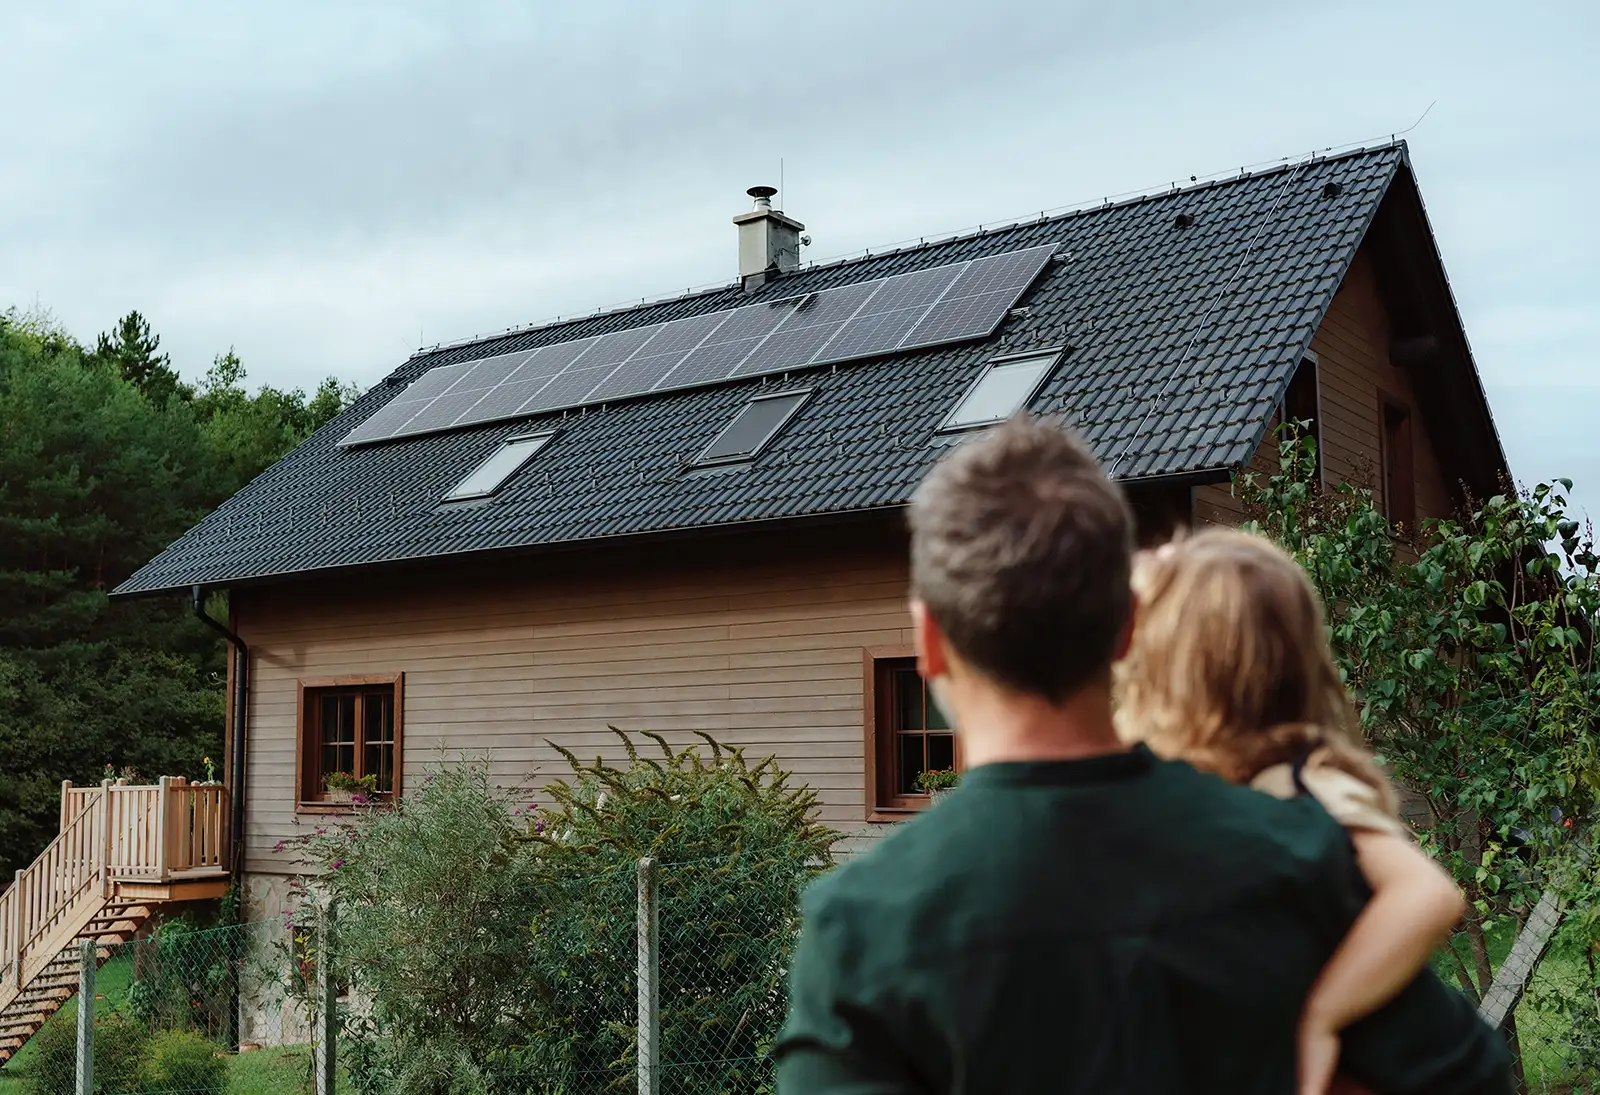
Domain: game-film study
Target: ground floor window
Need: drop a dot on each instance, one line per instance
(907, 735)
(349, 726)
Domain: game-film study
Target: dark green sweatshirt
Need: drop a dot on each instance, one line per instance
(1119, 924)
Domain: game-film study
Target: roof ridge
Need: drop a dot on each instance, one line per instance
(1127, 198)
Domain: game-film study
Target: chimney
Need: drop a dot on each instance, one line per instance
(769, 242)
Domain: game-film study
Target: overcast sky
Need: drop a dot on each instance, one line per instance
(320, 184)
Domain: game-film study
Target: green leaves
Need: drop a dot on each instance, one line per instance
(106, 457)
(1471, 654)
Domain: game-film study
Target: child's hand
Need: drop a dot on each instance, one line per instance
(1318, 1058)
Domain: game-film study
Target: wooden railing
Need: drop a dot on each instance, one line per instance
(112, 833)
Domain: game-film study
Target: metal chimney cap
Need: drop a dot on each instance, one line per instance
(759, 192)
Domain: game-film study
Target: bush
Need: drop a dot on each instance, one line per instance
(498, 958)
(435, 896)
(180, 1062)
(183, 978)
(119, 1042)
(736, 847)
(53, 1067)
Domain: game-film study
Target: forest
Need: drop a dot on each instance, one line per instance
(106, 456)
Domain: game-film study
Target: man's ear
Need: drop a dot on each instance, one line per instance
(1125, 638)
(932, 658)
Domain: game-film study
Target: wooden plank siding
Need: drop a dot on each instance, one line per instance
(759, 643)
(1353, 374)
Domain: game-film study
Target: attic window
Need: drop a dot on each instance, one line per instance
(1005, 387)
(752, 428)
(488, 476)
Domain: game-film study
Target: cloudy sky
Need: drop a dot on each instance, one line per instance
(321, 185)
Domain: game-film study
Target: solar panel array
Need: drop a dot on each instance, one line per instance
(953, 303)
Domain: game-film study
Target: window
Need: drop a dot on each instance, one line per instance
(350, 725)
(501, 465)
(1005, 387)
(752, 428)
(907, 734)
(1302, 403)
(1399, 470)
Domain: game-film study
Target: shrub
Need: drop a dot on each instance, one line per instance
(496, 958)
(180, 1062)
(52, 1071)
(119, 1042)
(183, 978)
(435, 896)
(736, 846)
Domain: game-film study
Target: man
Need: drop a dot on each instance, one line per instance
(1079, 916)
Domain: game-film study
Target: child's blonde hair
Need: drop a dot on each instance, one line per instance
(1230, 668)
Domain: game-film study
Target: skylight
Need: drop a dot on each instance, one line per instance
(1005, 387)
(752, 428)
(501, 465)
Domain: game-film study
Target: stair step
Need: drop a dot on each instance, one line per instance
(23, 1026)
(21, 1030)
(43, 995)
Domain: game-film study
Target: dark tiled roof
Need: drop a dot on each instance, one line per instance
(1180, 341)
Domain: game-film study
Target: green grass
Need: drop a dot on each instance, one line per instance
(276, 1071)
(1551, 1062)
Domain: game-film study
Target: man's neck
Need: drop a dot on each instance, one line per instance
(1005, 727)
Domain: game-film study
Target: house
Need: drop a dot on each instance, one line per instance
(687, 515)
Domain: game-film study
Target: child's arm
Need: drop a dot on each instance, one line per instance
(1414, 906)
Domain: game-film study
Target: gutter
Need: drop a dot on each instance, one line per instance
(241, 695)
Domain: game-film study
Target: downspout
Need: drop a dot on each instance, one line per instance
(241, 695)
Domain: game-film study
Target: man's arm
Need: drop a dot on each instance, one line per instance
(1429, 1038)
(832, 1042)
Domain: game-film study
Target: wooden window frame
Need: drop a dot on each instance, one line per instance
(882, 808)
(1394, 500)
(303, 747)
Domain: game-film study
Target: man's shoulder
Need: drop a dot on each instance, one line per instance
(1212, 807)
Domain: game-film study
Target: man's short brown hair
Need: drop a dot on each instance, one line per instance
(1020, 548)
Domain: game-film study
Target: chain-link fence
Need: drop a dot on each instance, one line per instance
(1556, 1026)
(698, 950)
(213, 1011)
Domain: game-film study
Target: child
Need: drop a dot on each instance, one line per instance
(1230, 670)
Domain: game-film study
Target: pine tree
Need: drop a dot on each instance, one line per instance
(134, 351)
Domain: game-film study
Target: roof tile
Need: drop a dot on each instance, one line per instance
(1178, 344)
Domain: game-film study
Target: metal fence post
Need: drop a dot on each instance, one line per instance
(86, 969)
(327, 1004)
(649, 1017)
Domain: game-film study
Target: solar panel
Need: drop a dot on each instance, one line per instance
(722, 351)
(671, 345)
(921, 308)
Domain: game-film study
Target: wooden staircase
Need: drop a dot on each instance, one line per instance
(122, 852)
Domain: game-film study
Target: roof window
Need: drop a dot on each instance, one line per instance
(502, 464)
(752, 428)
(1005, 387)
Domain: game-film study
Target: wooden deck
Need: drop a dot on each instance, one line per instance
(122, 851)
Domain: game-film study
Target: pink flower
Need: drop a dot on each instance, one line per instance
(337, 864)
